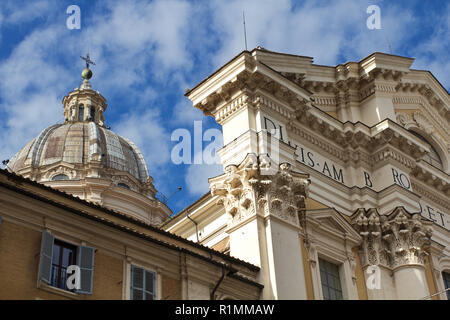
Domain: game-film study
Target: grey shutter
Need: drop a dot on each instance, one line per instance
(149, 285)
(142, 284)
(45, 263)
(137, 281)
(85, 260)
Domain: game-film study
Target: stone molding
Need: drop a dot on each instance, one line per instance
(422, 122)
(430, 194)
(61, 169)
(431, 113)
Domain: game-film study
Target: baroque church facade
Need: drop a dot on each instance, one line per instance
(335, 186)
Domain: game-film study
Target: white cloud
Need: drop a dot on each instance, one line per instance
(30, 91)
(134, 39)
(184, 113)
(147, 132)
(26, 119)
(197, 176)
(311, 29)
(325, 32)
(140, 39)
(20, 12)
(30, 66)
(169, 43)
(432, 53)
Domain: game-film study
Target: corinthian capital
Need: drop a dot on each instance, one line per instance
(397, 239)
(244, 190)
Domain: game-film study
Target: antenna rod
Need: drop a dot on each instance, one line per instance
(245, 31)
(388, 42)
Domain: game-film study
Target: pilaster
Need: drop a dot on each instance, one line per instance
(264, 209)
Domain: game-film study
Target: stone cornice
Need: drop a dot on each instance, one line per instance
(432, 177)
(388, 152)
(429, 193)
(431, 113)
(305, 135)
(226, 100)
(428, 87)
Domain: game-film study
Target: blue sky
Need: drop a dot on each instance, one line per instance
(148, 52)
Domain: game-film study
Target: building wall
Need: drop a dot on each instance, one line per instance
(19, 263)
(349, 128)
(24, 219)
(108, 277)
(171, 288)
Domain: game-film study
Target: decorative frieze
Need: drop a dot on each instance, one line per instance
(231, 108)
(393, 240)
(304, 135)
(259, 187)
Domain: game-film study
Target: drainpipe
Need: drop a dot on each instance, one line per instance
(230, 272)
(196, 226)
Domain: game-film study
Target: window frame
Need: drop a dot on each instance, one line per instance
(320, 262)
(128, 263)
(446, 280)
(63, 244)
(92, 113)
(433, 158)
(59, 175)
(333, 243)
(123, 186)
(42, 284)
(143, 289)
(81, 113)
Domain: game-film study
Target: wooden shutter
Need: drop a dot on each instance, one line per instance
(85, 260)
(45, 263)
(137, 280)
(142, 284)
(149, 285)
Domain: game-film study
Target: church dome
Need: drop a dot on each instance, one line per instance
(85, 158)
(80, 144)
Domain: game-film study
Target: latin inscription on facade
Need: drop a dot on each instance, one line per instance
(332, 170)
(327, 168)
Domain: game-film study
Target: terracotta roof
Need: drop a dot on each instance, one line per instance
(125, 217)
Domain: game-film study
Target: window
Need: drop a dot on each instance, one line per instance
(64, 255)
(59, 177)
(432, 157)
(331, 283)
(123, 185)
(446, 278)
(81, 113)
(57, 256)
(92, 114)
(142, 284)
